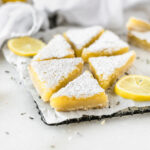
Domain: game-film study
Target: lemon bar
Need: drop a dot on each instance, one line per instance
(58, 47)
(50, 75)
(138, 24)
(108, 69)
(107, 44)
(139, 39)
(82, 93)
(81, 38)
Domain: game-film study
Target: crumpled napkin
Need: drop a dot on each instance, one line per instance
(20, 19)
(111, 14)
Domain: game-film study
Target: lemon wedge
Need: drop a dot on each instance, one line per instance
(25, 46)
(136, 87)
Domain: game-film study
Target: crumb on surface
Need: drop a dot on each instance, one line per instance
(147, 61)
(7, 133)
(6, 71)
(103, 122)
(52, 146)
(31, 118)
(23, 62)
(12, 78)
(118, 103)
(22, 113)
(79, 134)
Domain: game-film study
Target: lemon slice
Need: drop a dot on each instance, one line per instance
(5, 1)
(25, 46)
(136, 87)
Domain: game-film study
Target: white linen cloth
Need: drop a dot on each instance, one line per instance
(108, 13)
(19, 19)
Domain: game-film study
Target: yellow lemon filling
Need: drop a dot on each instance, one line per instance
(139, 33)
(64, 103)
(78, 52)
(57, 48)
(51, 79)
(107, 44)
(87, 55)
(82, 38)
(138, 25)
(108, 69)
(139, 39)
(82, 93)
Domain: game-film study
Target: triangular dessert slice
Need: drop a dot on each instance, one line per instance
(82, 93)
(108, 69)
(81, 38)
(50, 75)
(108, 44)
(58, 47)
(138, 24)
(139, 39)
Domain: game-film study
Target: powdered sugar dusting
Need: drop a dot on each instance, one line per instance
(108, 41)
(83, 86)
(58, 47)
(142, 35)
(80, 37)
(56, 70)
(106, 65)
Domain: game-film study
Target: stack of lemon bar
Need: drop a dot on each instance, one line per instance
(57, 70)
(139, 32)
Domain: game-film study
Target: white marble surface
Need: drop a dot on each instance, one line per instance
(19, 132)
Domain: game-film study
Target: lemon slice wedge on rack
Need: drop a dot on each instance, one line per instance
(25, 46)
(136, 87)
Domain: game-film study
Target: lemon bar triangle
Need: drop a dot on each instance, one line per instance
(108, 69)
(139, 39)
(50, 75)
(82, 93)
(58, 47)
(138, 24)
(81, 38)
(106, 45)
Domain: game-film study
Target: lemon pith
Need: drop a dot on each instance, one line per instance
(25, 46)
(136, 87)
